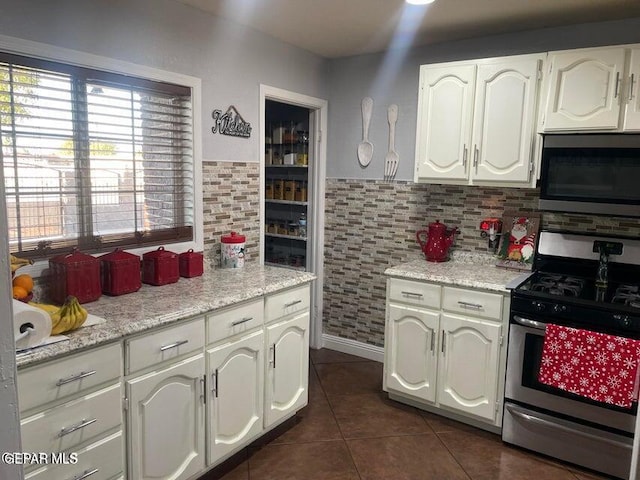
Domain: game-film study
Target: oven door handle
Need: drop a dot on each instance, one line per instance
(529, 323)
(546, 423)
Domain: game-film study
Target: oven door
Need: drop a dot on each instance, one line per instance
(526, 338)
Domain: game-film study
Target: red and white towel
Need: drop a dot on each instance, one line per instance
(590, 364)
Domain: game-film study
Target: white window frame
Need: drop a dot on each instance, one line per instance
(45, 51)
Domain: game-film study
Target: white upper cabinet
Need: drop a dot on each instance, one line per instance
(632, 114)
(504, 120)
(585, 89)
(476, 121)
(444, 121)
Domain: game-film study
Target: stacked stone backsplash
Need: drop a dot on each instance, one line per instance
(231, 202)
(371, 225)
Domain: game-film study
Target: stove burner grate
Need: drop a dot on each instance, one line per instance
(558, 285)
(628, 295)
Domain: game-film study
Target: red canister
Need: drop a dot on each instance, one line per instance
(120, 272)
(160, 267)
(191, 263)
(76, 274)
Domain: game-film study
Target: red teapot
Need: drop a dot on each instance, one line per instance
(435, 242)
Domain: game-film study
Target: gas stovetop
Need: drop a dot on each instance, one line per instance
(574, 284)
(574, 287)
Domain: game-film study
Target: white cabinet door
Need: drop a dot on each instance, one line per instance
(584, 89)
(412, 351)
(468, 367)
(235, 379)
(504, 119)
(166, 422)
(444, 122)
(287, 371)
(632, 114)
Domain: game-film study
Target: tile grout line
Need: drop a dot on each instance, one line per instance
(346, 444)
(452, 455)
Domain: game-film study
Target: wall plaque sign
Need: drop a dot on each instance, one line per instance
(230, 123)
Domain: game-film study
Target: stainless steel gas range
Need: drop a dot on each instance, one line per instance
(580, 281)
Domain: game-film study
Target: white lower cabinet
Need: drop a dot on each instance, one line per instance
(235, 378)
(446, 360)
(287, 374)
(468, 370)
(73, 406)
(412, 359)
(166, 422)
(204, 387)
(101, 460)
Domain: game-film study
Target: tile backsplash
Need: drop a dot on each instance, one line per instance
(231, 202)
(371, 225)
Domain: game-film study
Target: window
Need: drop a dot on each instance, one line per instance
(93, 159)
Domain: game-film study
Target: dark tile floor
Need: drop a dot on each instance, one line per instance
(351, 430)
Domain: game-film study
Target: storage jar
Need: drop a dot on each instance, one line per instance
(76, 274)
(289, 189)
(232, 250)
(191, 264)
(278, 189)
(160, 267)
(119, 273)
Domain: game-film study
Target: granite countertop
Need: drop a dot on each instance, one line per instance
(153, 306)
(464, 270)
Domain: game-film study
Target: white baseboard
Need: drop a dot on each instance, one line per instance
(353, 347)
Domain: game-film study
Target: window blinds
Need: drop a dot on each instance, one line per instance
(93, 159)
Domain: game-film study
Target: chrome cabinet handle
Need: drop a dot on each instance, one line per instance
(433, 340)
(85, 474)
(173, 345)
(529, 323)
(476, 153)
(239, 322)
(287, 305)
(272, 362)
(546, 423)
(477, 306)
(631, 82)
(464, 156)
(615, 94)
(75, 378)
(412, 294)
(444, 336)
(78, 426)
(214, 383)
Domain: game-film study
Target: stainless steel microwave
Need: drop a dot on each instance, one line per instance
(591, 173)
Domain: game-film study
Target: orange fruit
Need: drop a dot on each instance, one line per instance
(19, 293)
(25, 281)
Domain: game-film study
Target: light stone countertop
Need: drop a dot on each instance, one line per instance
(464, 270)
(152, 306)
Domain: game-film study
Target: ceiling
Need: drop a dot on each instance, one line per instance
(339, 28)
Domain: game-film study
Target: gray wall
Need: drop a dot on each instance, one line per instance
(231, 60)
(393, 78)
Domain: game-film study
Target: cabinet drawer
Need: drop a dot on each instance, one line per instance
(72, 375)
(101, 460)
(285, 303)
(471, 302)
(415, 293)
(70, 424)
(234, 320)
(153, 348)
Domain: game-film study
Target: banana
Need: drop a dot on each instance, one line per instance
(47, 307)
(16, 262)
(62, 324)
(68, 317)
(82, 315)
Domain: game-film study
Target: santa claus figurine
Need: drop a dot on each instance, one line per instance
(521, 244)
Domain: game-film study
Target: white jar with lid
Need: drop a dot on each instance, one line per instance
(232, 250)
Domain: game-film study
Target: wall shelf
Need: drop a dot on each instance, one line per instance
(290, 237)
(286, 202)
